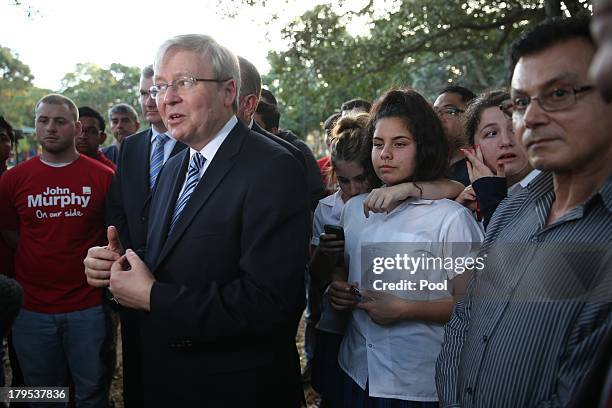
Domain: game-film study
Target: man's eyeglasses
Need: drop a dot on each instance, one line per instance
(180, 85)
(449, 111)
(90, 131)
(556, 99)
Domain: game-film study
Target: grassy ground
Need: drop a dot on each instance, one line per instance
(312, 399)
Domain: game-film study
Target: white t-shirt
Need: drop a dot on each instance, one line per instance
(398, 361)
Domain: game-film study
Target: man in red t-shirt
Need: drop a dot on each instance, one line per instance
(52, 210)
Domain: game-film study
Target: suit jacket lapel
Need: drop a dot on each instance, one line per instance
(221, 164)
(178, 146)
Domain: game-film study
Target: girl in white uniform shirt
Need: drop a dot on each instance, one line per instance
(392, 341)
(352, 167)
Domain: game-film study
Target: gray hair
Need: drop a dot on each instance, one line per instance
(123, 108)
(147, 72)
(223, 61)
(250, 80)
(57, 99)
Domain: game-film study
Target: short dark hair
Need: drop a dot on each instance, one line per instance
(416, 113)
(466, 94)
(269, 115)
(123, 108)
(268, 96)
(250, 80)
(57, 99)
(473, 113)
(546, 34)
(87, 112)
(147, 72)
(4, 125)
(330, 122)
(356, 103)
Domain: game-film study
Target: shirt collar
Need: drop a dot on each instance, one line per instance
(211, 147)
(543, 184)
(154, 134)
(606, 193)
(528, 178)
(330, 200)
(521, 185)
(409, 202)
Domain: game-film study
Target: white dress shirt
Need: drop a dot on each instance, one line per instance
(398, 361)
(210, 150)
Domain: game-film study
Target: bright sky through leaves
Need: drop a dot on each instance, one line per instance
(62, 33)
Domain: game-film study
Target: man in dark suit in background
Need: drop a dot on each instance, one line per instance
(221, 287)
(248, 100)
(124, 122)
(140, 160)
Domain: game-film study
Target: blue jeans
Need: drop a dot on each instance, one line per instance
(48, 345)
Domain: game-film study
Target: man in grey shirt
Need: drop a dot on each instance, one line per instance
(528, 327)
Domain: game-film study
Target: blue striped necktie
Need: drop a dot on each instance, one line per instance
(193, 176)
(157, 159)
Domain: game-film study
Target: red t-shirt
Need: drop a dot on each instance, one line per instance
(59, 212)
(102, 159)
(329, 183)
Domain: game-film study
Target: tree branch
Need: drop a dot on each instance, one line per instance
(393, 57)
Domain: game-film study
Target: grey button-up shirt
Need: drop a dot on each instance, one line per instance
(531, 320)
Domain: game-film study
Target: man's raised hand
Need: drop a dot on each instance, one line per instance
(100, 259)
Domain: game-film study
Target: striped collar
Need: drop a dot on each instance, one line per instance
(543, 184)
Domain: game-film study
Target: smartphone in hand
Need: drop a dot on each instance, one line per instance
(336, 230)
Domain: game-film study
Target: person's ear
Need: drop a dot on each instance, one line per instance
(251, 104)
(78, 128)
(230, 93)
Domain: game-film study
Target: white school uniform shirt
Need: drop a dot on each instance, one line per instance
(398, 361)
(328, 211)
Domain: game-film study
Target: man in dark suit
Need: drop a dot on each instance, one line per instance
(248, 100)
(141, 158)
(124, 122)
(221, 287)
